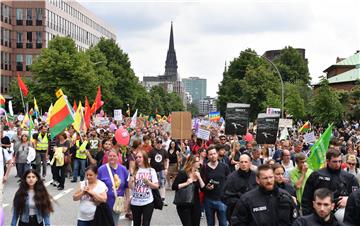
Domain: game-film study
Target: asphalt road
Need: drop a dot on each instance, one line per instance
(66, 209)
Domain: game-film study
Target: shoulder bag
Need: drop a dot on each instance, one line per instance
(158, 203)
(119, 204)
(184, 196)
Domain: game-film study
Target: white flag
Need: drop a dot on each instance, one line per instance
(133, 120)
(11, 108)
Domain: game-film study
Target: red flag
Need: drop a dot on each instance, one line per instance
(87, 114)
(97, 102)
(74, 106)
(22, 86)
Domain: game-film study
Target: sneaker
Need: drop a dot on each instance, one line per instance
(73, 181)
(60, 188)
(202, 215)
(165, 203)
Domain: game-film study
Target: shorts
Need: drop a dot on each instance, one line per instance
(161, 178)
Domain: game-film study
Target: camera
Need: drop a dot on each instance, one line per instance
(214, 182)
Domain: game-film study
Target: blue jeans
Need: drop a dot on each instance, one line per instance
(212, 206)
(79, 163)
(115, 217)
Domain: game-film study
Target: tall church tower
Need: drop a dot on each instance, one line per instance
(171, 73)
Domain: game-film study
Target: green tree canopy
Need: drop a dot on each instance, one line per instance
(325, 105)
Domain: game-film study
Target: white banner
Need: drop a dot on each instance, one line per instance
(285, 123)
(118, 115)
(309, 137)
(203, 134)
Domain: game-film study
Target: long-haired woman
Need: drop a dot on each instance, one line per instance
(21, 155)
(32, 203)
(141, 182)
(190, 213)
(173, 153)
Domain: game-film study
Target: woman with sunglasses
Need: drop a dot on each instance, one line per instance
(351, 162)
(190, 213)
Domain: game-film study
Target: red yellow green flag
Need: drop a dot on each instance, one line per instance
(61, 116)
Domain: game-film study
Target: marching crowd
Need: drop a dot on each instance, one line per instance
(228, 179)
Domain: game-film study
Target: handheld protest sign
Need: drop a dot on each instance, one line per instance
(267, 128)
(181, 125)
(237, 118)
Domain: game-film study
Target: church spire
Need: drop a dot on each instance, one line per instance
(171, 62)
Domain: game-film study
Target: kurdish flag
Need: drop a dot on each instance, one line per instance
(305, 127)
(214, 116)
(2, 104)
(61, 116)
(318, 151)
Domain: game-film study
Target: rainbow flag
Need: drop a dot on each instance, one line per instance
(214, 116)
(25, 122)
(61, 116)
(2, 104)
(305, 127)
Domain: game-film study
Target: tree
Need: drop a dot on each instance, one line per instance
(294, 103)
(354, 101)
(260, 89)
(128, 89)
(292, 66)
(62, 66)
(229, 87)
(193, 108)
(325, 105)
(164, 103)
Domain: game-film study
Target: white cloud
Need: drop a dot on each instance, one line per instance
(209, 33)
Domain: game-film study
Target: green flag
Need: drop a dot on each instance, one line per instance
(318, 151)
(31, 127)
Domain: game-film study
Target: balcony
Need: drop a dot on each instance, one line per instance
(38, 45)
(19, 22)
(19, 45)
(29, 45)
(38, 22)
(29, 23)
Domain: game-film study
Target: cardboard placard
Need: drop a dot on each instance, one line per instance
(309, 137)
(237, 117)
(118, 115)
(181, 125)
(267, 128)
(285, 123)
(203, 134)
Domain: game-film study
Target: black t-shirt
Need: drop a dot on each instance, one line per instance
(172, 156)
(157, 158)
(218, 175)
(5, 140)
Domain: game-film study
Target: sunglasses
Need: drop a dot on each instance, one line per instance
(351, 164)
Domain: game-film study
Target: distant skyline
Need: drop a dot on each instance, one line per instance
(209, 33)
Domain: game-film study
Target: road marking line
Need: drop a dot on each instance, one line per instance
(61, 194)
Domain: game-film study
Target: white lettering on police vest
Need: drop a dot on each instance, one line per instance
(324, 178)
(260, 208)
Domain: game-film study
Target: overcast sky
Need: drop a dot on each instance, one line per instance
(208, 33)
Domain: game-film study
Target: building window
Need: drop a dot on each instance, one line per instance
(29, 40)
(5, 14)
(19, 17)
(29, 17)
(38, 39)
(28, 59)
(19, 40)
(19, 62)
(39, 16)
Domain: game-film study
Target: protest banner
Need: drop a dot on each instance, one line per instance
(273, 111)
(285, 123)
(267, 128)
(181, 125)
(237, 117)
(118, 115)
(309, 137)
(203, 134)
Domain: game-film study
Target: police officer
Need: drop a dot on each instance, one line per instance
(323, 205)
(332, 177)
(238, 183)
(352, 210)
(41, 144)
(266, 205)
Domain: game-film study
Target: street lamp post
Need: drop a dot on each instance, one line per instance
(278, 72)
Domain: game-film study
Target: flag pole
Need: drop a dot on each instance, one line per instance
(22, 98)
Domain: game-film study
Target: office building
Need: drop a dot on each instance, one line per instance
(207, 105)
(196, 87)
(28, 26)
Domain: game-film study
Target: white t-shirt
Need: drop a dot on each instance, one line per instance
(141, 193)
(7, 158)
(87, 206)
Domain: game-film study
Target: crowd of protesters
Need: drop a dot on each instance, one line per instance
(233, 179)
